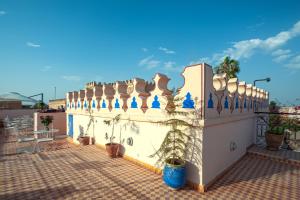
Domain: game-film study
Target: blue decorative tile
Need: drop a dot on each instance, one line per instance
(68, 105)
(78, 104)
(210, 102)
(237, 103)
(155, 103)
(85, 104)
(245, 103)
(226, 103)
(133, 103)
(188, 102)
(103, 104)
(94, 104)
(72, 105)
(117, 104)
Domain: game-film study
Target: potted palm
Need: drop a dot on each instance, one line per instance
(111, 147)
(46, 121)
(172, 151)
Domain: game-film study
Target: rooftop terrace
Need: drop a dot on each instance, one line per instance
(87, 172)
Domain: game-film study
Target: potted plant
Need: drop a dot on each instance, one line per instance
(292, 126)
(172, 151)
(111, 147)
(274, 137)
(46, 121)
(83, 138)
(276, 128)
(91, 121)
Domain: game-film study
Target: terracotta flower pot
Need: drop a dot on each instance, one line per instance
(84, 140)
(112, 149)
(274, 141)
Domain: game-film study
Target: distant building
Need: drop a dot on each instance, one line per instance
(289, 109)
(292, 110)
(57, 104)
(10, 103)
(14, 100)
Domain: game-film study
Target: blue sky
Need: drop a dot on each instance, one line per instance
(68, 43)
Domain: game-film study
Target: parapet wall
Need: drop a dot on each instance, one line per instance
(213, 95)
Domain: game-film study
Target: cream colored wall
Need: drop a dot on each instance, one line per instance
(193, 78)
(217, 139)
(147, 137)
(59, 121)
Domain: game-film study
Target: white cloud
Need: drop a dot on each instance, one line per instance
(2, 12)
(243, 49)
(46, 68)
(246, 48)
(31, 44)
(281, 55)
(71, 78)
(202, 60)
(144, 49)
(294, 62)
(149, 62)
(170, 66)
(281, 58)
(167, 51)
(280, 52)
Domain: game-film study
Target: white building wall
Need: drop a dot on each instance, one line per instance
(224, 142)
(147, 138)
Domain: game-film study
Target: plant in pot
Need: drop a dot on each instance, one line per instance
(111, 147)
(91, 122)
(275, 134)
(83, 137)
(274, 137)
(292, 127)
(172, 151)
(46, 121)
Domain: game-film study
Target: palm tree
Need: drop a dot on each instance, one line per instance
(229, 66)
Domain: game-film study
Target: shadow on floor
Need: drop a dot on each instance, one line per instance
(45, 193)
(251, 168)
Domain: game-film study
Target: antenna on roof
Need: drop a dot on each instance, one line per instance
(54, 92)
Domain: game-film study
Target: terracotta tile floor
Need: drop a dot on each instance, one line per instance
(87, 173)
(281, 154)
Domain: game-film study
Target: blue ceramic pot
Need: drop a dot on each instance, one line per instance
(174, 175)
